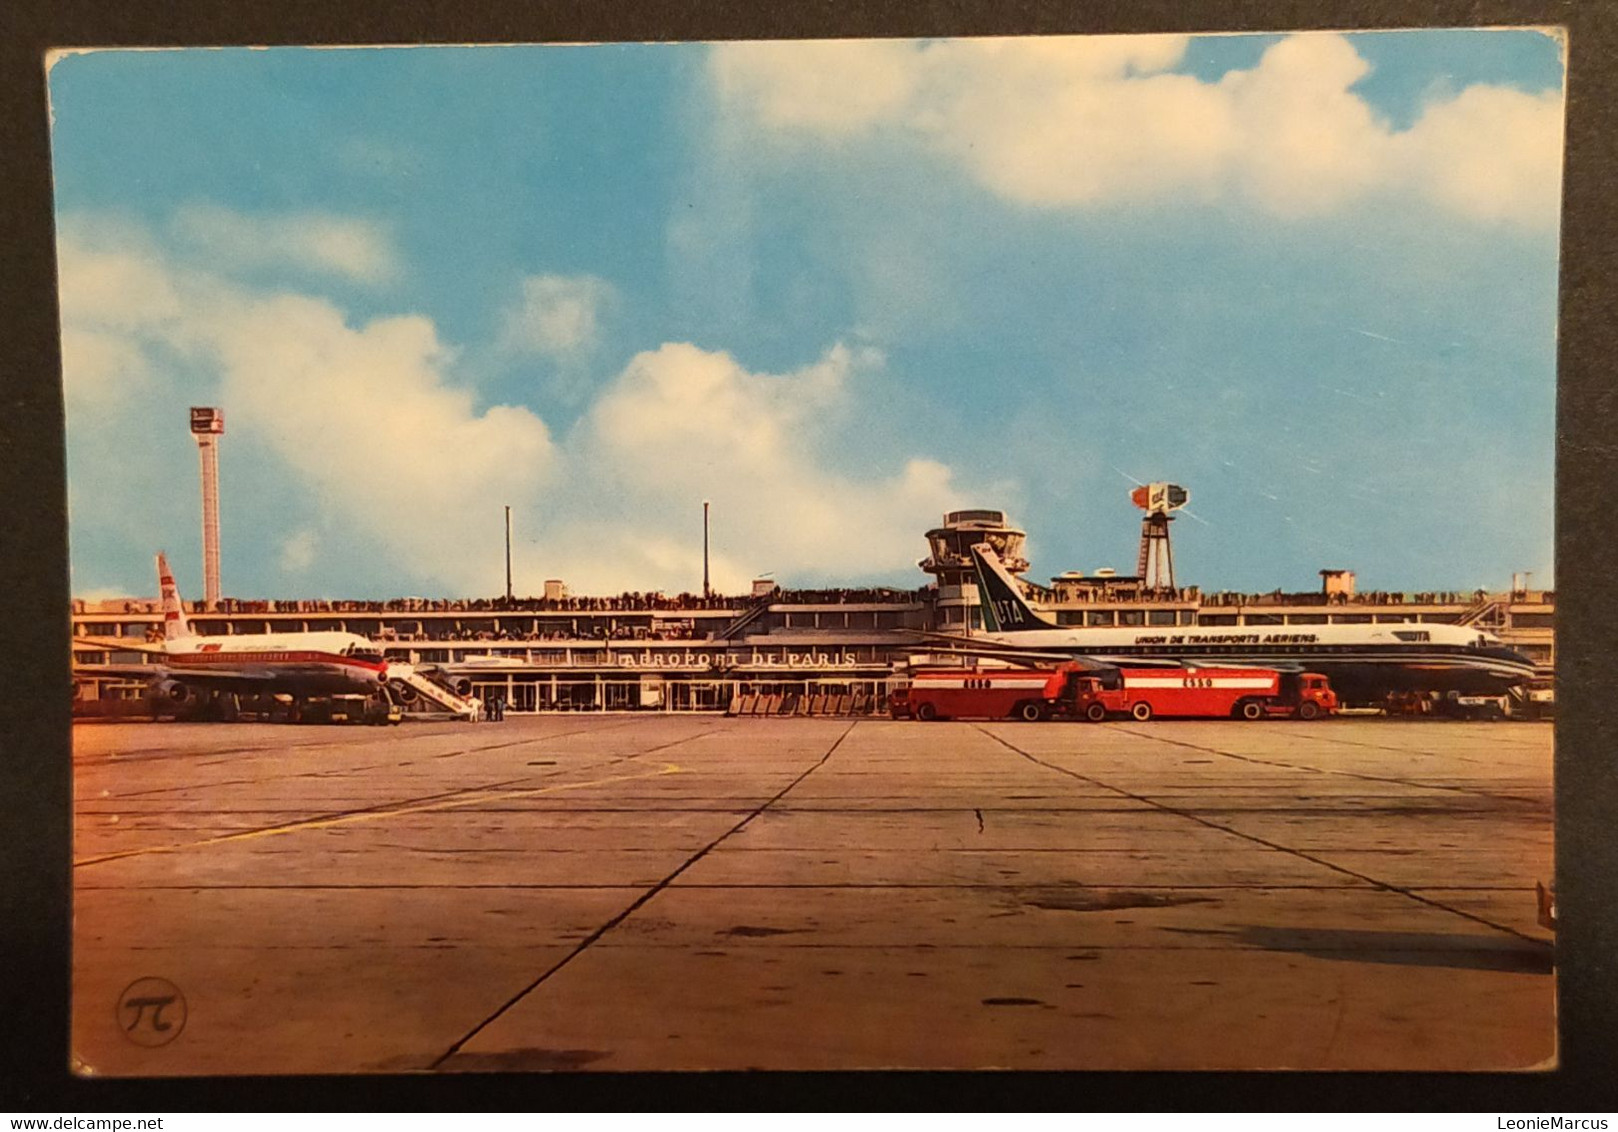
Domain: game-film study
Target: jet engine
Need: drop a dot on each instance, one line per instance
(404, 692)
(460, 685)
(173, 693)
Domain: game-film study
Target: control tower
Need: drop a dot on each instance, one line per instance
(951, 562)
(207, 426)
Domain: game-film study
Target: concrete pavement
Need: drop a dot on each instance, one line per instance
(627, 892)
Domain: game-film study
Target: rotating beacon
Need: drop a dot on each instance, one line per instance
(1156, 565)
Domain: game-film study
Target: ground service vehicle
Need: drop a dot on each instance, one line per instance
(1083, 692)
(964, 693)
(1473, 707)
(1205, 693)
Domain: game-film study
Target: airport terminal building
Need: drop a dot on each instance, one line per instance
(831, 651)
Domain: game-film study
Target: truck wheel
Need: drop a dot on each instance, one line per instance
(1031, 712)
(1252, 709)
(926, 712)
(1141, 711)
(1308, 710)
(1095, 713)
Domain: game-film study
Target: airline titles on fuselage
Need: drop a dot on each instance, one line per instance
(1228, 639)
(1253, 638)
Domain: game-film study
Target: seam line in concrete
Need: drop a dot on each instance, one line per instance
(1326, 770)
(282, 827)
(1390, 887)
(410, 736)
(638, 903)
(442, 800)
(348, 770)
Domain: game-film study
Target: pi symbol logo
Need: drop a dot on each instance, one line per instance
(151, 1012)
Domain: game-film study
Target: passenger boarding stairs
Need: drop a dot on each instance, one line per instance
(408, 685)
(1485, 613)
(747, 618)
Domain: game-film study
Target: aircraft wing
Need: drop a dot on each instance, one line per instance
(117, 644)
(133, 671)
(1032, 658)
(1026, 657)
(953, 644)
(210, 675)
(976, 644)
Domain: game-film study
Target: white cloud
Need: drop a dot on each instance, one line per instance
(120, 287)
(1488, 152)
(1065, 122)
(369, 421)
(298, 552)
(113, 304)
(1302, 142)
(101, 367)
(366, 418)
(557, 314)
(314, 241)
(829, 87)
(681, 425)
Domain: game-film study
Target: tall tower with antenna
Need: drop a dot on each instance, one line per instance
(207, 426)
(1156, 565)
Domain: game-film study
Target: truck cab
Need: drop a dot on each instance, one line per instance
(1311, 698)
(1093, 700)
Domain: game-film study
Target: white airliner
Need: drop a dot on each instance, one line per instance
(190, 667)
(1364, 662)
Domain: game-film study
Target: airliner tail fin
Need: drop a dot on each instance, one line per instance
(1004, 608)
(175, 626)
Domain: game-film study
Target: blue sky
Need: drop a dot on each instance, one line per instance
(835, 288)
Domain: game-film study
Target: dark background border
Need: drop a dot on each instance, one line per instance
(34, 743)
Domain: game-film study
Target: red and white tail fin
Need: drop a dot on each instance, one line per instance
(175, 626)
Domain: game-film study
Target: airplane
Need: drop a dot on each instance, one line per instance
(189, 669)
(1365, 663)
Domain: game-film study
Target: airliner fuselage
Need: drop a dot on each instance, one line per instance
(1364, 662)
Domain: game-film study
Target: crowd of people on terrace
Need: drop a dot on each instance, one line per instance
(685, 602)
(1370, 597)
(584, 633)
(629, 602)
(869, 596)
(622, 603)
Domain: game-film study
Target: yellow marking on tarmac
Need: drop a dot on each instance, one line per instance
(367, 815)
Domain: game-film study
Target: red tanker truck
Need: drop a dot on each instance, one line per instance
(1203, 693)
(966, 693)
(1081, 692)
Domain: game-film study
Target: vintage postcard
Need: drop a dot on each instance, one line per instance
(1026, 553)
